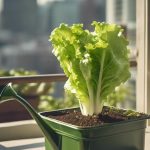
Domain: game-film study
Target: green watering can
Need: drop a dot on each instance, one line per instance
(7, 91)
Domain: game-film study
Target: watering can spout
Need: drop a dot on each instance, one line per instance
(7, 92)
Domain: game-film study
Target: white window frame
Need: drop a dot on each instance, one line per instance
(143, 57)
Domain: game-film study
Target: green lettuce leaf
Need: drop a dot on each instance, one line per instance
(94, 62)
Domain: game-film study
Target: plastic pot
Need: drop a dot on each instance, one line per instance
(124, 135)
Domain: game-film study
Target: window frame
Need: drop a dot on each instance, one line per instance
(143, 57)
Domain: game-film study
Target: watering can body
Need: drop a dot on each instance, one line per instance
(125, 135)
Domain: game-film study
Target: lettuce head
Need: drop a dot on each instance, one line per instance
(95, 62)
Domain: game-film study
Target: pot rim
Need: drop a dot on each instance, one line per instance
(90, 127)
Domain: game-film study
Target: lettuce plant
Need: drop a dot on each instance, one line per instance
(94, 62)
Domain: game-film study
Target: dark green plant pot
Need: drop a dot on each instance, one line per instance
(124, 135)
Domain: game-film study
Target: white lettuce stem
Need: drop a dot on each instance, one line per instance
(87, 107)
(91, 106)
(90, 109)
(94, 104)
(98, 101)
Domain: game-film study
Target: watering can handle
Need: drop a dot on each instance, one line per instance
(7, 91)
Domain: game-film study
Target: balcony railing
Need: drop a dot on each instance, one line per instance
(41, 78)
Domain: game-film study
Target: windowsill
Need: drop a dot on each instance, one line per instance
(27, 144)
(19, 130)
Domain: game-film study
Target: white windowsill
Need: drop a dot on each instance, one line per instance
(19, 130)
(26, 144)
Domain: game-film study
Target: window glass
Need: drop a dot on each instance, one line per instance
(26, 25)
